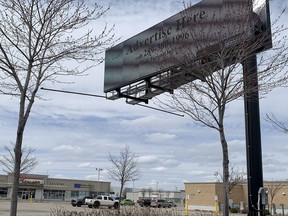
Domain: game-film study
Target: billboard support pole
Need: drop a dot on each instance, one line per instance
(253, 135)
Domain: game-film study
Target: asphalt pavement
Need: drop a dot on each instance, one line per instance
(25, 208)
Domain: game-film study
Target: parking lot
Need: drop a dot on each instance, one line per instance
(37, 208)
(25, 208)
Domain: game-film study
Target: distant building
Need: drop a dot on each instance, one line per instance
(41, 187)
(202, 196)
(175, 196)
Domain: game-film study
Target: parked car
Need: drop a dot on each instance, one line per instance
(172, 204)
(127, 202)
(80, 201)
(144, 202)
(160, 203)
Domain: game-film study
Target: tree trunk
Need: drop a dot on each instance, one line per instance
(225, 173)
(16, 174)
(18, 152)
(120, 197)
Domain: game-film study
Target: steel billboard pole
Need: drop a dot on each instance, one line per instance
(253, 135)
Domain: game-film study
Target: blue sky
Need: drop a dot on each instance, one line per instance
(73, 134)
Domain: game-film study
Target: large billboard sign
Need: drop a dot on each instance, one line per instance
(157, 49)
(262, 10)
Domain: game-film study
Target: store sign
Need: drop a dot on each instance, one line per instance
(77, 185)
(31, 182)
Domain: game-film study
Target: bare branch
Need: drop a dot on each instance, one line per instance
(124, 168)
(273, 189)
(236, 177)
(278, 125)
(28, 161)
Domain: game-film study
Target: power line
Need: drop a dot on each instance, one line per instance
(72, 92)
(102, 96)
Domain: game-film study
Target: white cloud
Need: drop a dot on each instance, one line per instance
(160, 137)
(171, 163)
(85, 165)
(48, 163)
(196, 173)
(274, 169)
(159, 168)
(149, 159)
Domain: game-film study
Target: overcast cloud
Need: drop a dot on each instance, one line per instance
(73, 134)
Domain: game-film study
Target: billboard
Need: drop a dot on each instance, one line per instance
(151, 54)
(262, 10)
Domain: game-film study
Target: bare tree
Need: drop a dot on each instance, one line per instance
(40, 41)
(123, 168)
(210, 75)
(159, 193)
(125, 191)
(28, 161)
(236, 177)
(273, 188)
(143, 192)
(150, 191)
(278, 125)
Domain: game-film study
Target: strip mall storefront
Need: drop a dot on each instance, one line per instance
(40, 187)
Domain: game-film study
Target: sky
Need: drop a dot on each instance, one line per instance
(72, 135)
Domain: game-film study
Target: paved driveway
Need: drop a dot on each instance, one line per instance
(45, 208)
(37, 208)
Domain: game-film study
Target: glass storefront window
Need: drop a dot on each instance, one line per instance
(24, 193)
(54, 194)
(3, 192)
(75, 194)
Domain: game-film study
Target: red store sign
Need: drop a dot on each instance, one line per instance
(31, 182)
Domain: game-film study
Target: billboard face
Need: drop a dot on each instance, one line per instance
(261, 8)
(157, 49)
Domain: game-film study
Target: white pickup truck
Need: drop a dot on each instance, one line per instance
(102, 200)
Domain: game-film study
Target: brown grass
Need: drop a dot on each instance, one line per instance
(123, 212)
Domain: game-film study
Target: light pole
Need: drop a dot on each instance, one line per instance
(97, 187)
(133, 189)
(157, 189)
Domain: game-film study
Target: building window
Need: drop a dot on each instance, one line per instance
(3, 192)
(25, 193)
(56, 183)
(54, 194)
(74, 193)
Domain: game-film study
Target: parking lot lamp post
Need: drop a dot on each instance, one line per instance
(157, 191)
(133, 189)
(97, 187)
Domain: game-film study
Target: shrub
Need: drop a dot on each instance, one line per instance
(234, 210)
(244, 211)
(266, 212)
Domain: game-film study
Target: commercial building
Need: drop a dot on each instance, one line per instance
(41, 187)
(177, 197)
(203, 196)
